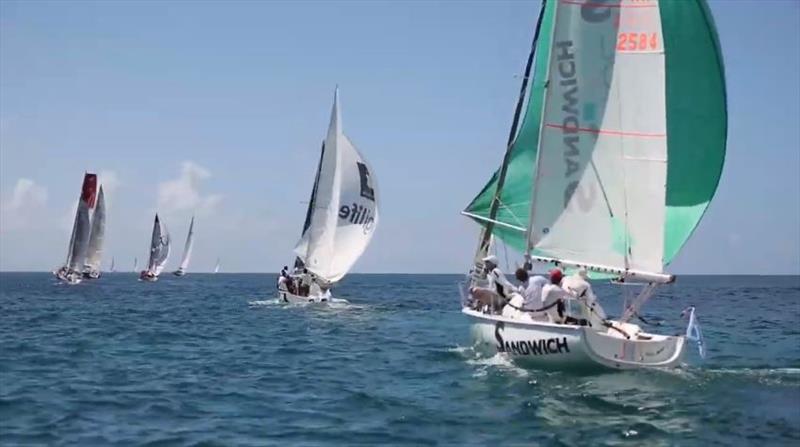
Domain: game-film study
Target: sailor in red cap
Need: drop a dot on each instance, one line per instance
(553, 293)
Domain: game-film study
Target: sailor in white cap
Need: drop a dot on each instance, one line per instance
(497, 279)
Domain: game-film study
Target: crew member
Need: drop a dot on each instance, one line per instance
(579, 287)
(530, 288)
(553, 295)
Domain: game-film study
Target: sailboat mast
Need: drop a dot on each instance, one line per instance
(486, 234)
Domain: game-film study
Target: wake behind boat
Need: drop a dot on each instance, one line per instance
(159, 252)
(72, 270)
(341, 217)
(618, 156)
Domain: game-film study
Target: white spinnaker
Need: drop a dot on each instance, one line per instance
(345, 210)
(599, 193)
(94, 253)
(81, 231)
(187, 249)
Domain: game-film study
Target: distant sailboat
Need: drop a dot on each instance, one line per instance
(187, 251)
(71, 271)
(91, 268)
(159, 252)
(136, 265)
(111, 270)
(340, 221)
(216, 267)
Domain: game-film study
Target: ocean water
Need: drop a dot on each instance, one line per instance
(215, 360)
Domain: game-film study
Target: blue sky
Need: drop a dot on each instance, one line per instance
(219, 108)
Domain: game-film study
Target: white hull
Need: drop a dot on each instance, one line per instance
(143, 276)
(559, 345)
(71, 278)
(91, 274)
(291, 298)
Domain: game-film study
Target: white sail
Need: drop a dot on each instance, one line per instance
(187, 249)
(94, 253)
(81, 227)
(111, 269)
(345, 207)
(136, 265)
(600, 178)
(81, 231)
(216, 267)
(159, 247)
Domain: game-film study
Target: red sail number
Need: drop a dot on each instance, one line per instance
(637, 41)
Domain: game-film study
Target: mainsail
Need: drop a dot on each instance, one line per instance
(159, 247)
(624, 137)
(81, 227)
(187, 249)
(216, 267)
(95, 251)
(344, 210)
(302, 246)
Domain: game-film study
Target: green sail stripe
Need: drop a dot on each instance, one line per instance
(696, 116)
(516, 194)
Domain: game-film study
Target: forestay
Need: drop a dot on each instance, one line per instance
(344, 208)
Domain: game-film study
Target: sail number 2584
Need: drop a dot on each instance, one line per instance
(637, 41)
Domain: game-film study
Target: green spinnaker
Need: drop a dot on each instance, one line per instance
(697, 117)
(696, 128)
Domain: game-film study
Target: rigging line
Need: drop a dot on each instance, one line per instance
(602, 189)
(505, 251)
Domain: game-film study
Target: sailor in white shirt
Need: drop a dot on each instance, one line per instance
(551, 294)
(579, 287)
(530, 288)
(497, 279)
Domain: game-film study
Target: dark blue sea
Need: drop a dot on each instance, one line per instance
(215, 360)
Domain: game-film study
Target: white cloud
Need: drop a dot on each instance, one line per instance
(183, 193)
(110, 182)
(25, 200)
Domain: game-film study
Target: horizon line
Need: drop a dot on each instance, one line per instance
(403, 273)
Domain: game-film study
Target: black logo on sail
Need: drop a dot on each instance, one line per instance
(367, 191)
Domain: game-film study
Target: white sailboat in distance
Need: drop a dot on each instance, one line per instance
(340, 220)
(187, 251)
(159, 252)
(614, 163)
(72, 270)
(216, 266)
